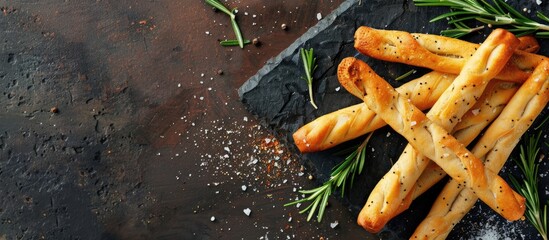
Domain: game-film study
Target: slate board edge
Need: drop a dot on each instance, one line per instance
(253, 81)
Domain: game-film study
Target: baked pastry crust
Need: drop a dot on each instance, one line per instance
(351, 122)
(432, 138)
(493, 148)
(439, 53)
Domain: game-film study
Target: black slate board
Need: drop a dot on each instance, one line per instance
(278, 96)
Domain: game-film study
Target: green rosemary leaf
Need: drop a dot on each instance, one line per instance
(232, 42)
(218, 5)
(405, 75)
(529, 166)
(339, 176)
(494, 12)
(309, 64)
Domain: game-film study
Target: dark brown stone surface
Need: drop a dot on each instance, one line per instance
(148, 140)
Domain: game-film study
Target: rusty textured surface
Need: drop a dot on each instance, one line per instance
(136, 147)
(121, 120)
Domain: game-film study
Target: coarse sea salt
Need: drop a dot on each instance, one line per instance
(475, 111)
(247, 211)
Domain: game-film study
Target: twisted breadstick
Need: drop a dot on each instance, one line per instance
(447, 112)
(437, 144)
(348, 123)
(351, 122)
(440, 54)
(494, 148)
(488, 107)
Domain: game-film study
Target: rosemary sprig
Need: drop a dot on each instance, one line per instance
(529, 189)
(218, 5)
(494, 12)
(309, 64)
(405, 75)
(350, 167)
(233, 42)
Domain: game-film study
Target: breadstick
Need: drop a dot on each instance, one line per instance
(494, 148)
(447, 112)
(528, 44)
(351, 122)
(348, 123)
(428, 51)
(437, 144)
(488, 107)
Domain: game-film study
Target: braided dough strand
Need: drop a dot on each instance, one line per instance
(437, 144)
(351, 122)
(438, 53)
(495, 97)
(494, 148)
(384, 201)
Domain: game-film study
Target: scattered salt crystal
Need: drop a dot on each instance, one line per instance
(202, 74)
(212, 219)
(319, 16)
(244, 188)
(334, 224)
(179, 85)
(290, 219)
(475, 111)
(337, 89)
(207, 32)
(538, 2)
(245, 119)
(247, 211)
(227, 149)
(267, 140)
(413, 123)
(388, 134)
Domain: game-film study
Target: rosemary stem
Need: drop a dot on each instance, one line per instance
(237, 32)
(311, 96)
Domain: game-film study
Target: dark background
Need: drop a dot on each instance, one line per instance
(149, 141)
(121, 120)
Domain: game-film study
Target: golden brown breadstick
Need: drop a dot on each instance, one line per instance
(488, 107)
(529, 44)
(494, 148)
(348, 123)
(437, 144)
(447, 112)
(425, 50)
(351, 122)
